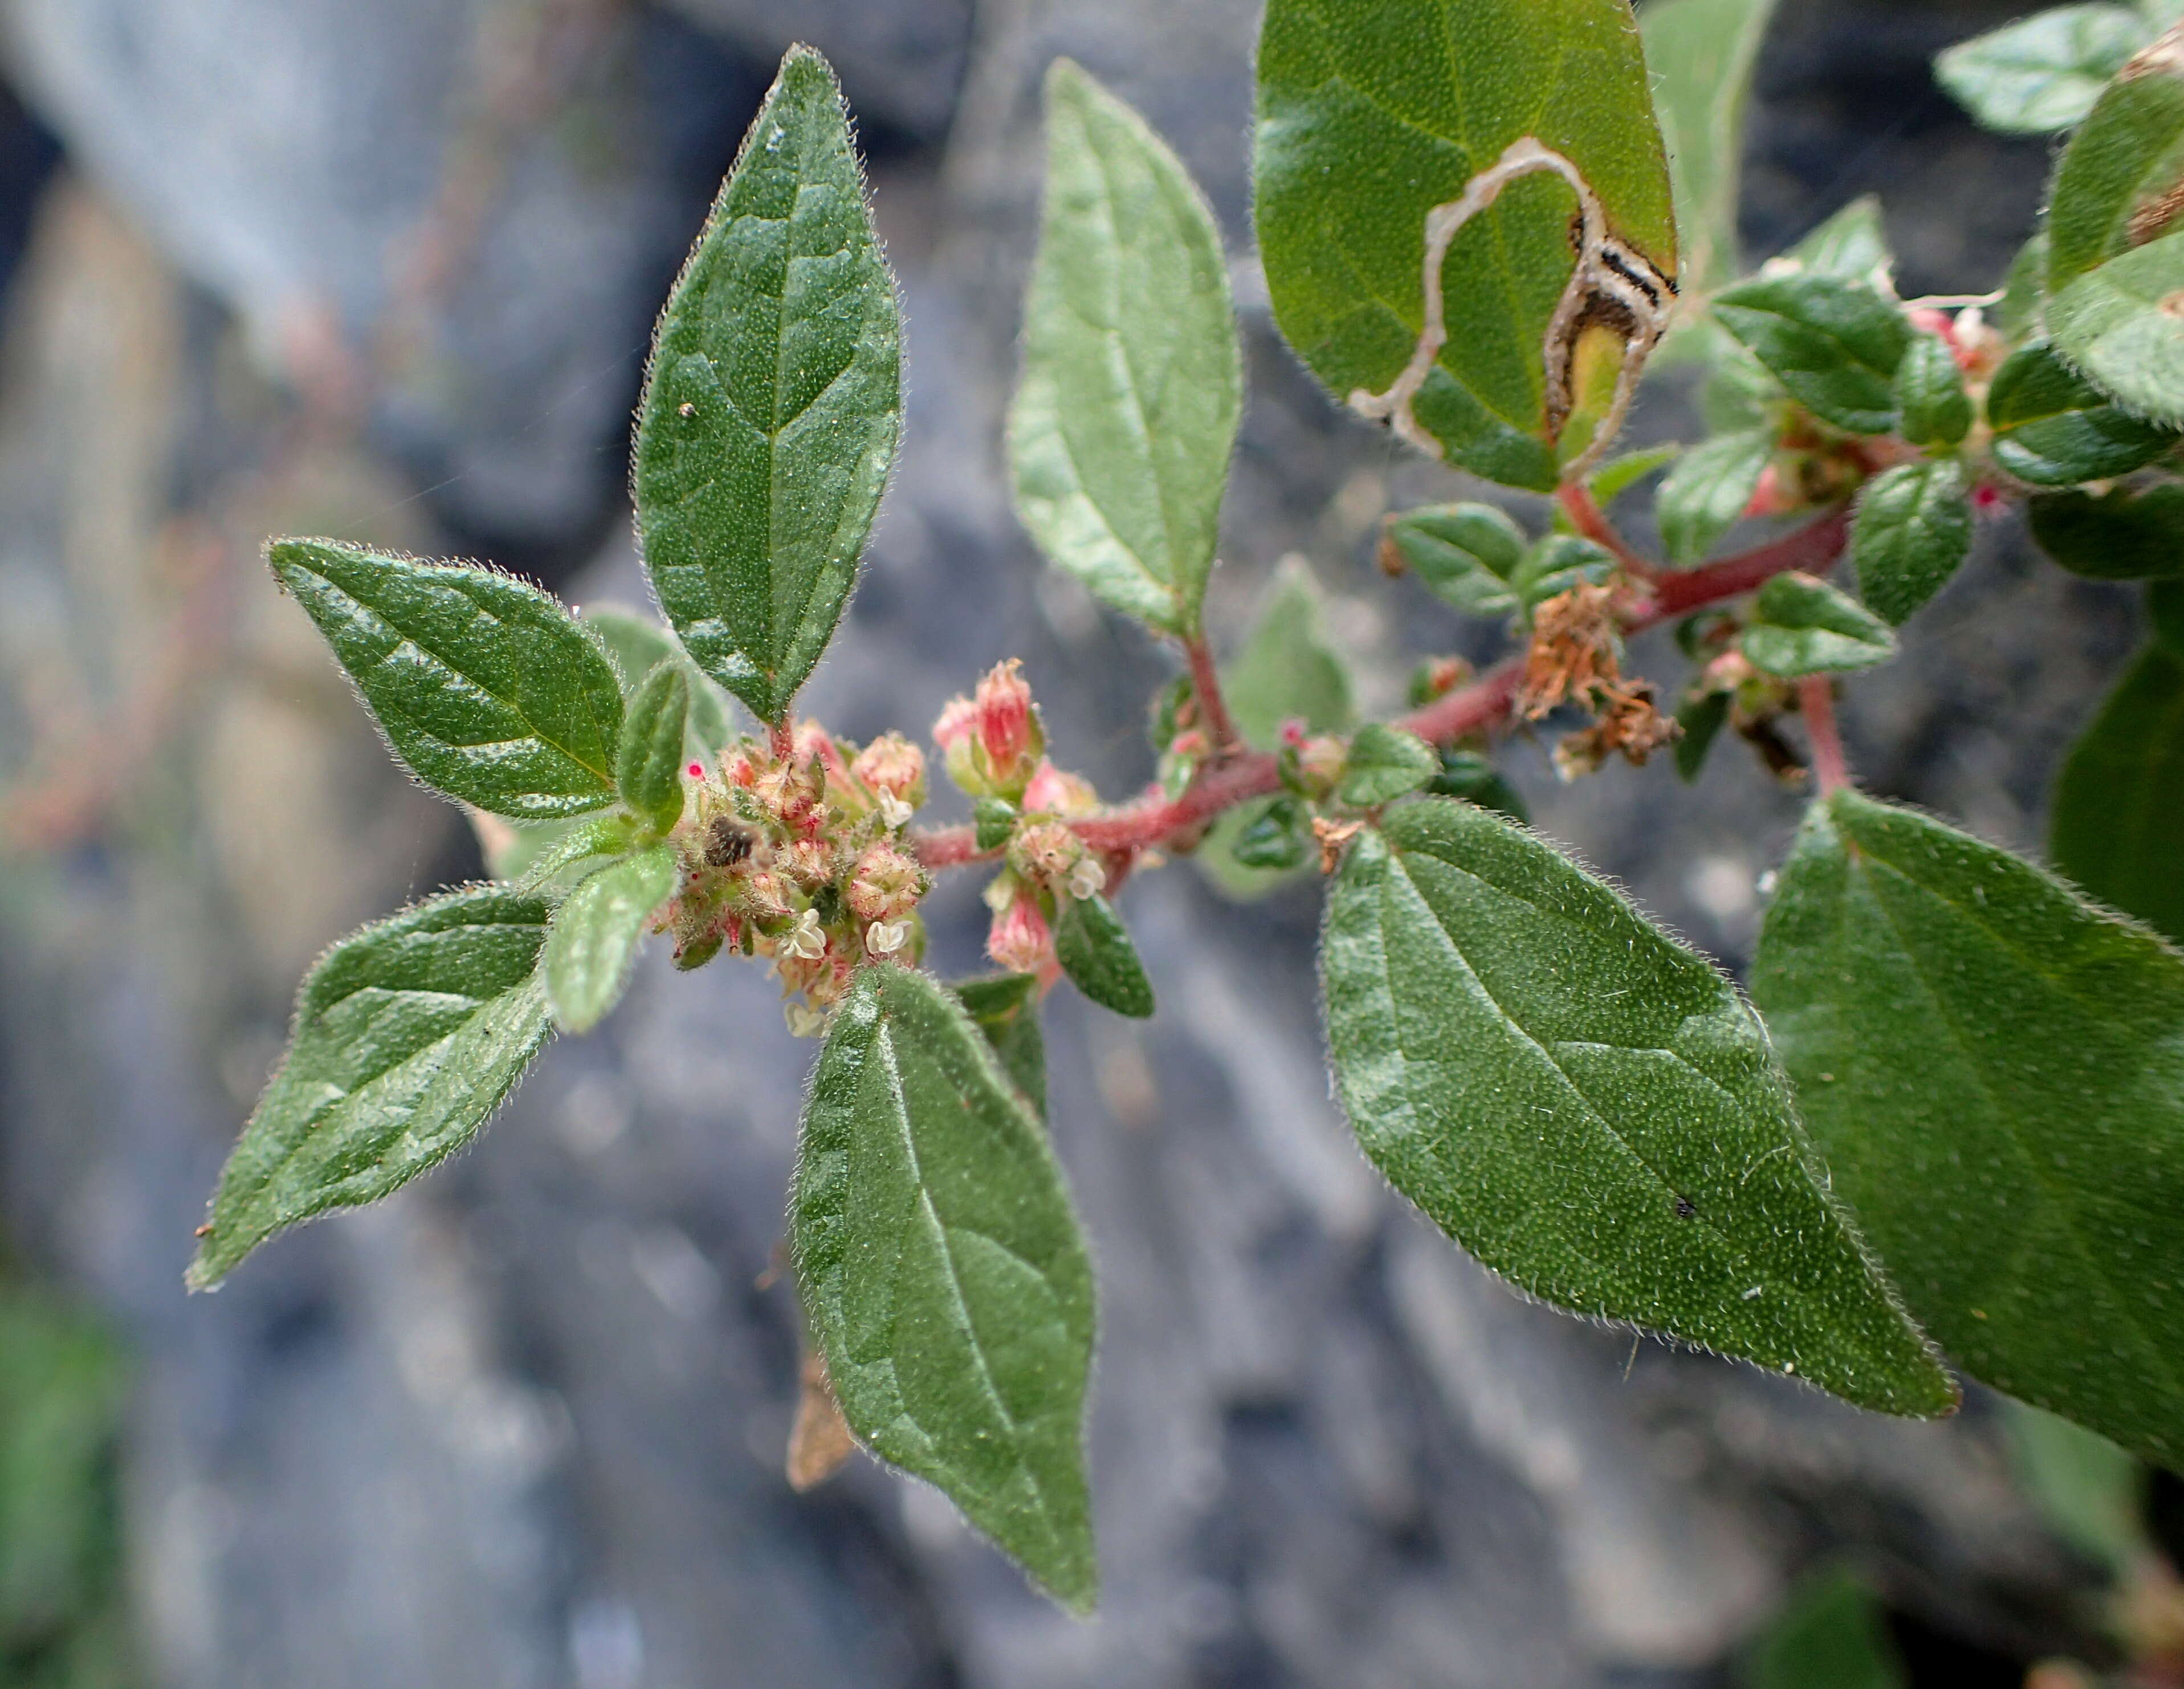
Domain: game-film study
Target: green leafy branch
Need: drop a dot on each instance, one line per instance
(1956, 1140)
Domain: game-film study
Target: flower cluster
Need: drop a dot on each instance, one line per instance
(994, 749)
(801, 860)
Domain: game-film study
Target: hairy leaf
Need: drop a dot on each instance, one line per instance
(1125, 417)
(2054, 428)
(1834, 345)
(1385, 763)
(595, 934)
(2123, 325)
(1471, 776)
(2023, 309)
(1701, 719)
(1464, 553)
(1590, 1109)
(1995, 1070)
(409, 1034)
(638, 645)
(1276, 839)
(1619, 474)
(774, 404)
(1929, 394)
(1373, 114)
(649, 766)
(1708, 492)
(1851, 245)
(1805, 626)
(944, 1274)
(1912, 533)
(2120, 535)
(2041, 73)
(1094, 950)
(484, 686)
(2122, 168)
(1701, 54)
(2119, 811)
(1007, 1010)
(1558, 563)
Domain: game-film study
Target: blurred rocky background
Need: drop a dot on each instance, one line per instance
(386, 268)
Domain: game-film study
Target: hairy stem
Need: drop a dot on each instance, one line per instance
(1206, 682)
(1592, 522)
(1816, 701)
(1157, 821)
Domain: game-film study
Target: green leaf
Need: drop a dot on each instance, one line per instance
(2054, 428)
(1619, 475)
(593, 939)
(1708, 492)
(943, 1275)
(1912, 533)
(1701, 719)
(1590, 1109)
(2123, 326)
(1373, 115)
(1276, 838)
(2022, 313)
(1807, 627)
(994, 821)
(2093, 1492)
(1701, 54)
(638, 645)
(2042, 73)
(1094, 950)
(2121, 169)
(1472, 777)
(545, 852)
(1851, 245)
(483, 684)
(1288, 669)
(1831, 1635)
(2120, 535)
(1994, 1070)
(409, 1034)
(2165, 609)
(2119, 811)
(1007, 1010)
(1464, 553)
(771, 412)
(649, 765)
(1125, 417)
(1834, 345)
(1558, 563)
(1929, 394)
(1385, 763)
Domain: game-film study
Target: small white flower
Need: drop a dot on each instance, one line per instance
(806, 940)
(885, 937)
(804, 1020)
(893, 811)
(1088, 879)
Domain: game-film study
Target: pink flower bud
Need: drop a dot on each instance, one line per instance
(809, 862)
(1021, 940)
(814, 741)
(1295, 732)
(1052, 792)
(1005, 728)
(885, 886)
(891, 764)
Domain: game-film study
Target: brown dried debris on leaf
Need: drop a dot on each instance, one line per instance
(1628, 722)
(1576, 657)
(820, 1442)
(1575, 649)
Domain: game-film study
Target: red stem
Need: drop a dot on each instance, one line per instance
(784, 739)
(1206, 682)
(1816, 701)
(1486, 702)
(1592, 522)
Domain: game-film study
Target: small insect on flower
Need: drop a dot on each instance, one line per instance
(727, 841)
